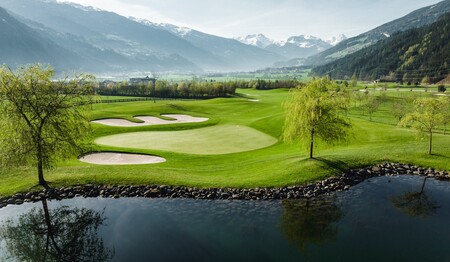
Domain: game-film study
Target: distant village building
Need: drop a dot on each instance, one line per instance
(141, 81)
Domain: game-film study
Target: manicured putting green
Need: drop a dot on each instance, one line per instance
(215, 140)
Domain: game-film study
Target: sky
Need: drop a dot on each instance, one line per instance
(277, 19)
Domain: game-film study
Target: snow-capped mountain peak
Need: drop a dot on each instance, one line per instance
(308, 41)
(294, 47)
(336, 39)
(258, 40)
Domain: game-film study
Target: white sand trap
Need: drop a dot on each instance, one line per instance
(151, 120)
(107, 158)
(117, 122)
(253, 100)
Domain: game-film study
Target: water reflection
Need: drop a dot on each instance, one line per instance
(415, 203)
(60, 234)
(310, 221)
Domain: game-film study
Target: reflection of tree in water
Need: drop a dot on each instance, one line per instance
(61, 234)
(416, 203)
(309, 221)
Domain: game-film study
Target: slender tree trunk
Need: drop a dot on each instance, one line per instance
(445, 128)
(431, 141)
(311, 146)
(40, 167)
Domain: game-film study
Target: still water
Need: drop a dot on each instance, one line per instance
(382, 219)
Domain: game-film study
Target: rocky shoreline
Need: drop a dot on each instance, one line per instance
(338, 183)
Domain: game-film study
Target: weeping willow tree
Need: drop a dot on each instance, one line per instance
(313, 113)
(43, 121)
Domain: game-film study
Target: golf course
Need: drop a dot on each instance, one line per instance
(231, 142)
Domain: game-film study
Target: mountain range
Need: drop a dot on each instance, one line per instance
(407, 56)
(74, 37)
(415, 19)
(101, 41)
(300, 46)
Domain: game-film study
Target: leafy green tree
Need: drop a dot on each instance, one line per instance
(407, 78)
(400, 107)
(426, 80)
(354, 82)
(445, 112)
(426, 116)
(372, 105)
(313, 112)
(43, 121)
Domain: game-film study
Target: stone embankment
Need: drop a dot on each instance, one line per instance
(329, 185)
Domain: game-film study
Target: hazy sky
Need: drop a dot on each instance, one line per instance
(276, 19)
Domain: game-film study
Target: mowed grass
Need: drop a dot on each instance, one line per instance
(214, 140)
(276, 165)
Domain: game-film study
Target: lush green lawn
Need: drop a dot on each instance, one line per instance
(213, 140)
(270, 165)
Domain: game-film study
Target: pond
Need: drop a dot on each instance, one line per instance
(382, 219)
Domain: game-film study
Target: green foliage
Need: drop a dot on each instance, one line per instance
(313, 113)
(190, 89)
(372, 104)
(426, 80)
(281, 164)
(354, 80)
(410, 56)
(401, 107)
(427, 115)
(43, 121)
(445, 112)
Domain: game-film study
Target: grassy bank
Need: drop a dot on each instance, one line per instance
(269, 165)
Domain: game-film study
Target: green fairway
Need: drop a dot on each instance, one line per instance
(206, 162)
(215, 140)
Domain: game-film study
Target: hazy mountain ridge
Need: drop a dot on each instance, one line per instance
(71, 36)
(106, 31)
(415, 19)
(227, 51)
(407, 56)
(20, 44)
(124, 44)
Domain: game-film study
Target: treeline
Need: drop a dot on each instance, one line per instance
(261, 84)
(190, 89)
(167, 89)
(419, 55)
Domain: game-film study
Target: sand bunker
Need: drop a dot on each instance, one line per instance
(151, 120)
(253, 100)
(109, 158)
